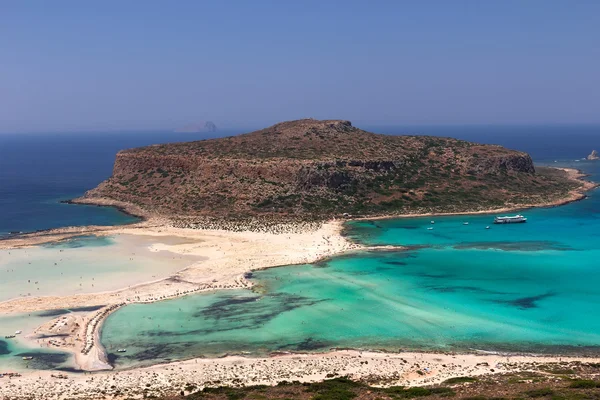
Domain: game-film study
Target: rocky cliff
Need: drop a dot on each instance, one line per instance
(318, 169)
(593, 155)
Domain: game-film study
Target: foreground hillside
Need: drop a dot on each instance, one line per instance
(313, 169)
(558, 383)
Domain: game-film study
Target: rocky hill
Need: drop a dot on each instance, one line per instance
(313, 169)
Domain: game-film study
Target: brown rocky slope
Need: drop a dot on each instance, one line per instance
(312, 169)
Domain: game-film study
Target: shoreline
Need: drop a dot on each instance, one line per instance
(230, 255)
(380, 369)
(575, 195)
(149, 220)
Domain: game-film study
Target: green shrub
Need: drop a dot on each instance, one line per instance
(584, 384)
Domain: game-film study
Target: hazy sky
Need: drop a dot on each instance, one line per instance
(126, 64)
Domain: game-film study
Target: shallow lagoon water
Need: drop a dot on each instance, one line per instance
(531, 287)
(86, 264)
(13, 350)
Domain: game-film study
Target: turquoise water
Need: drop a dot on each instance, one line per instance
(87, 264)
(13, 350)
(531, 287)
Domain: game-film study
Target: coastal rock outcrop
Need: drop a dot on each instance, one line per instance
(593, 155)
(310, 169)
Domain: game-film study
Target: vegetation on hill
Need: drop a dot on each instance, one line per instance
(313, 169)
(577, 381)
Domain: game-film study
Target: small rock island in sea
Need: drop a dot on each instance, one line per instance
(315, 170)
(207, 126)
(593, 155)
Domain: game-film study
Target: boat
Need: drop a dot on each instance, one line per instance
(515, 219)
(433, 222)
(121, 350)
(27, 358)
(487, 227)
(18, 332)
(429, 229)
(465, 223)
(9, 336)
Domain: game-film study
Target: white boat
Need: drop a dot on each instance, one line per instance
(515, 219)
(121, 350)
(433, 222)
(430, 229)
(27, 358)
(487, 227)
(18, 332)
(465, 223)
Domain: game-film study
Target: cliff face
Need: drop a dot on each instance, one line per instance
(319, 169)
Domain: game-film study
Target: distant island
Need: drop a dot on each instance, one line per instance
(207, 126)
(316, 170)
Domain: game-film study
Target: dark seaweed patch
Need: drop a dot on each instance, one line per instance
(43, 360)
(241, 313)
(395, 262)
(474, 289)
(531, 245)
(434, 276)
(525, 303)
(52, 336)
(250, 313)
(162, 351)
(308, 344)
(53, 313)
(361, 273)
(85, 309)
(69, 369)
(4, 348)
(112, 358)
(62, 311)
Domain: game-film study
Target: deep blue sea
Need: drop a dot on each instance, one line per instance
(37, 171)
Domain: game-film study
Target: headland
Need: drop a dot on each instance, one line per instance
(271, 198)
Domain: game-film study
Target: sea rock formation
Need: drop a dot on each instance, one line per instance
(310, 169)
(207, 126)
(593, 155)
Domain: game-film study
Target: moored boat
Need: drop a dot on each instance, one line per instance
(515, 219)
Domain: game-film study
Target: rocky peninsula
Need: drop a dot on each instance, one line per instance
(310, 170)
(270, 198)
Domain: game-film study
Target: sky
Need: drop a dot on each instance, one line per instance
(143, 64)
